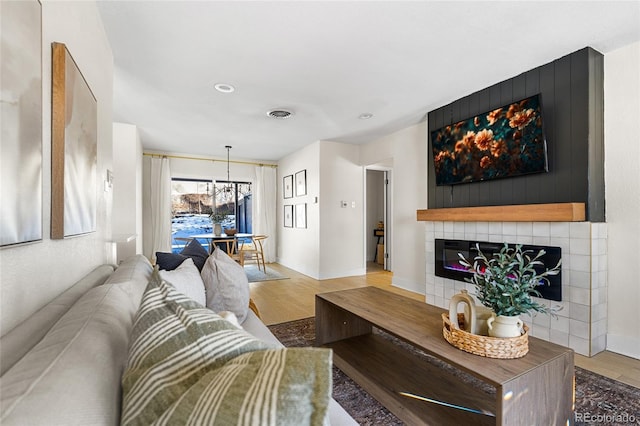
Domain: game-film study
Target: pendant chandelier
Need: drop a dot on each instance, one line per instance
(228, 187)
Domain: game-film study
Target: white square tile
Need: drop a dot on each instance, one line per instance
(510, 228)
(541, 229)
(495, 228)
(430, 288)
(580, 279)
(470, 229)
(580, 246)
(482, 237)
(542, 320)
(541, 241)
(580, 263)
(524, 239)
(563, 243)
(581, 346)
(579, 312)
(458, 227)
(580, 230)
(560, 324)
(598, 344)
(448, 235)
(459, 236)
(448, 226)
(482, 227)
(429, 226)
(541, 333)
(439, 291)
(438, 301)
(439, 233)
(559, 229)
(524, 229)
(559, 337)
(579, 329)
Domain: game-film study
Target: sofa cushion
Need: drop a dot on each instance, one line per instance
(193, 250)
(188, 365)
(72, 376)
(187, 280)
(169, 261)
(17, 342)
(226, 285)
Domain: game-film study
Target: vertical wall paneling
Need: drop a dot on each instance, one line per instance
(572, 95)
(595, 205)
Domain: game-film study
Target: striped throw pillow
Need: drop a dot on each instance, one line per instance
(187, 365)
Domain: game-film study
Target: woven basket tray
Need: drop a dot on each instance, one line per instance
(490, 347)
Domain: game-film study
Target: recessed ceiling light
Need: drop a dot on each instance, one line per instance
(279, 113)
(365, 116)
(224, 87)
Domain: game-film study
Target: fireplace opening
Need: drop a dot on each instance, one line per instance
(447, 262)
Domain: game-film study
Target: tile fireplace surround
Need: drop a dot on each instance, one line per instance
(582, 322)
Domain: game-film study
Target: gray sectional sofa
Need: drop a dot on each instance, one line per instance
(64, 365)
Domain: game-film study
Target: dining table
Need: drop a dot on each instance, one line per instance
(222, 240)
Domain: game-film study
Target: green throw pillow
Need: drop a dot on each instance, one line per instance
(186, 364)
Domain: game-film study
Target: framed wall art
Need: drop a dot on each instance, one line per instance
(287, 186)
(301, 183)
(301, 215)
(74, 143)
(288, 216)
(21, 118)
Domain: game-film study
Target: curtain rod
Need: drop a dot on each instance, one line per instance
(184, 157)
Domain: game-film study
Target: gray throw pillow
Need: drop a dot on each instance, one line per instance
(226, 285)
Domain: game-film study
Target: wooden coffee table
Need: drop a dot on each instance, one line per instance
(536, 389)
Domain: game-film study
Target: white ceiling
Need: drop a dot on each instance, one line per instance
(328, 62)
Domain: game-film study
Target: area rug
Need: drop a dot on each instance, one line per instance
(254, 274)
(599, 399)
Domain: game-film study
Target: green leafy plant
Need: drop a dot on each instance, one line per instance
(506, 281)
(217, 217)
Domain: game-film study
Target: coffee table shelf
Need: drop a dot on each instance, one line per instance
(535, 389)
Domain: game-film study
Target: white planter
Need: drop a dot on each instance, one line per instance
(502, 326)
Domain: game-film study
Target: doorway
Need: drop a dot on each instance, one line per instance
(377, 220)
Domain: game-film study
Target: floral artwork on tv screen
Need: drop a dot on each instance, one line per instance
(507, 141)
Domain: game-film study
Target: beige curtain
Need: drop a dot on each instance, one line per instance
(160, 206)
(264, 209)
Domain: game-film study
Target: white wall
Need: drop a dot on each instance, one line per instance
(622, 180)
(342, 239)
(299, 249)
(127, 190)
(408, 150)
(33, 274)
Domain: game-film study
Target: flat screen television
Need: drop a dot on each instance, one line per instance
(504, 142)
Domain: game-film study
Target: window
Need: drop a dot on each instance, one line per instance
(233, 199)
(192, 204)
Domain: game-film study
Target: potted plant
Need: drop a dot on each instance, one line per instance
(217, 219)
(506, 282)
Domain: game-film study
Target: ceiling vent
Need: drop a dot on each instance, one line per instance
(279, 113)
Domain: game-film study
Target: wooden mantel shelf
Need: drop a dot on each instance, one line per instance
(558, 212)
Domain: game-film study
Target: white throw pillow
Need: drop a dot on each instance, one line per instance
(226, 285)
(187, 280)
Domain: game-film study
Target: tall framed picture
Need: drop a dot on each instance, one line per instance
(21, 118)
(288, 216)
(74, 148)
(301, 215)
(287, 186)
(301, 183)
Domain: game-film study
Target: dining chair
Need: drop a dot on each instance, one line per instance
(229, 246)
(253, 251)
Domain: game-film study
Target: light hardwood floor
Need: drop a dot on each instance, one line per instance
(294, 298)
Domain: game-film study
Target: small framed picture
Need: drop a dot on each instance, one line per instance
(288, 216)
(301, 183)
(287, 186)
(301, 215)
